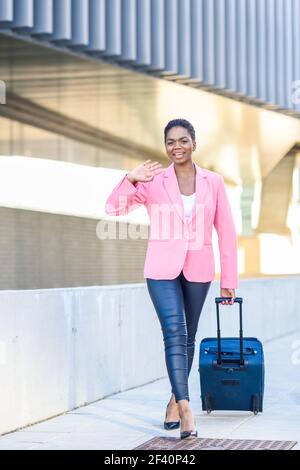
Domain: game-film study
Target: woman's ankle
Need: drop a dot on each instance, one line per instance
(184, 406)
(172, 400)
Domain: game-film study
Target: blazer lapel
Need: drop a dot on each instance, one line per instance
(201, 190)
(171, 185)
(172, 188)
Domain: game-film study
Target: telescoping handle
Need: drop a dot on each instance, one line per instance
(239, 300)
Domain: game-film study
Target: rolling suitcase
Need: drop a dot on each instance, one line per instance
(231, 370)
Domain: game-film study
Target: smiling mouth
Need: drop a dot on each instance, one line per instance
(178, 155)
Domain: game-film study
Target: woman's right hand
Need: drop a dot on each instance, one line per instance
(144, 172)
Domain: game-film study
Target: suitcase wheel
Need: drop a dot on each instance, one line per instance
(208, 405)
(255, 404)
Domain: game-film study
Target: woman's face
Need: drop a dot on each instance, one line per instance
(179, 145)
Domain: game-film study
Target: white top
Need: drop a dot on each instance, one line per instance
(188, 203)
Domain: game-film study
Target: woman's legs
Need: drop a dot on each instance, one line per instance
(178, 303)
(194, 295)
(168, 302)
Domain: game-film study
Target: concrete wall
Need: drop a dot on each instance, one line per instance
(63, 348)
(40, 251)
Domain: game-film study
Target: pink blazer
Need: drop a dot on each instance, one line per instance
(176, 243)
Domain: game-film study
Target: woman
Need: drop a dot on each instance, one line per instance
(184, 202)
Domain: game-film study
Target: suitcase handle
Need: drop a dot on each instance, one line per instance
(247, 352)
(236, 299)
(239, 300)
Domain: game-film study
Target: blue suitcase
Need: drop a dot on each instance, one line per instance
(231, 370)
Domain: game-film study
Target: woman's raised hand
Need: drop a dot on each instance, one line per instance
(144, 172)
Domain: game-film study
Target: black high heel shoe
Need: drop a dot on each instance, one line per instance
(170, 425)
(189, 434)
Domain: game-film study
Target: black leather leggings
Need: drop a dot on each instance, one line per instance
(178, 304)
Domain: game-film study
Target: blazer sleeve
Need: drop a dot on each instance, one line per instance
(126, 197)
(227, 239)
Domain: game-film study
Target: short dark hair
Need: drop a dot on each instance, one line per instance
(182, 123)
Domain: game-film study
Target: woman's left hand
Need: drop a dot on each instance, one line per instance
(228, 293)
